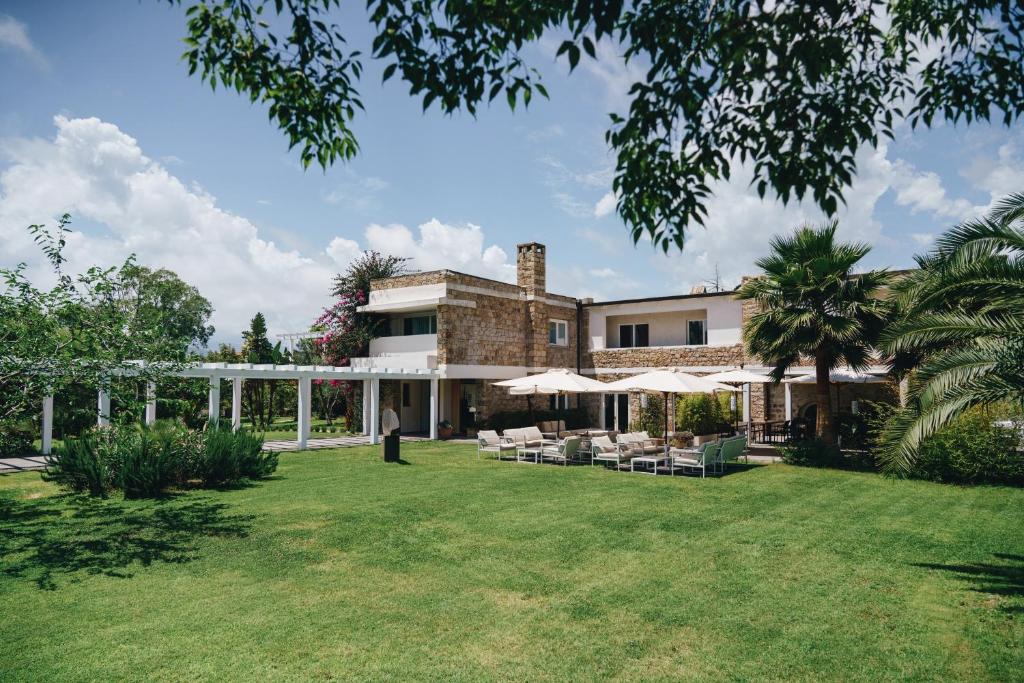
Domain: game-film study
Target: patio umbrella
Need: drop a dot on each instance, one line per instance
(667, 382)
(559, 381)
(739, 376)
(838, 377)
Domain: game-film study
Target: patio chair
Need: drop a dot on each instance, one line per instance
(489, 442)
(604, 449)
(731, 450)
(564, 452)
(529, 442)
(705, 459)
(627, 447)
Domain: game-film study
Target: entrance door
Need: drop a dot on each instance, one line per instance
(622, 412)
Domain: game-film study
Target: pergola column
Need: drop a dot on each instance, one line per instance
(366, 407)
(375, 410)
(789, 401)
(150, 403)
(214, 402)
(236, 403)
(103, 408)
(47, 433)
(305, 410)
(433, 408)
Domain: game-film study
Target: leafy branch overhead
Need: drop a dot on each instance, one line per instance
(792, 89)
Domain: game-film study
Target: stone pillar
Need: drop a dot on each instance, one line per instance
(236, 403)
(103, 408)
(305, 410)
(213, 404)
(47, 433)
(904, 390)
(375, 410)
(434, 397)
(789, 401)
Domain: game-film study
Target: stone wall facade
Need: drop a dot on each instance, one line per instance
(665, 357)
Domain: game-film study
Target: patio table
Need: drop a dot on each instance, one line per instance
(534, 451)
(653, 460)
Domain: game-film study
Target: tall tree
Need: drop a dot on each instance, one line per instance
(161, 298)
(75, 334)
(812, 305)
(260, 394)
(794, 88)
(960, 331)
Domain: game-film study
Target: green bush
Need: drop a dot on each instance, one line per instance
(77, 465)
(150, 466)
(220, 463)
(144, 461)
(15, 440)
(700, 414)
(651, 418)
(972, 451)
(254, 462)
(810, 453)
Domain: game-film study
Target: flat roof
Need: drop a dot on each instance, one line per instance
(671, 297)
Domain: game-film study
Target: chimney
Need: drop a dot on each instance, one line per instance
(530, 269)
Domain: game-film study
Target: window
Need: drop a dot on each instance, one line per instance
(406, 395)
(558, 402)
(637, 335)
(696, 332)
(558, 333)
(421, 324)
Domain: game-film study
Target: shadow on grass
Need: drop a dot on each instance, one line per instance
(64, 536)
(1004, 577)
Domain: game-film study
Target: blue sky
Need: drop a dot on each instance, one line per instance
(99, 118)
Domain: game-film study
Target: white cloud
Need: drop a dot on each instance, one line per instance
(129, 203)
(924, 239)
(614, 74)
(546, 133)
(123, 202)
(605, 205)
(1000, 176)
(357, 192)
(14, 36)
(925, 192)
(608, 243)
(442, 245)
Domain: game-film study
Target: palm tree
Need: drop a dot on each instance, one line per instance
(960, 329)
(813, 306)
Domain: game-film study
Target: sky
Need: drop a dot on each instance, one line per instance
(99, 118)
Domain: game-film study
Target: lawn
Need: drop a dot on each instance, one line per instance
(452, 568)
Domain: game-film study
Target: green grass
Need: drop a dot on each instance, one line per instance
(458, 569)
(292, 434)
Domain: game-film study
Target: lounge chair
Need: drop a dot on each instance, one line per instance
(564, 452)
(529, 442)
(489, 442)
(627, 447)
(706, 458)
(732, 448)
(604, 449)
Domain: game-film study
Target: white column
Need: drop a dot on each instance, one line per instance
(305, 410)
(789, 401)
(47, 435)
(150, 403)
(746, 405)
(236, 403)
(433, 408)
(375, 410)
(366, 407)
(103, 408)
(213, 406)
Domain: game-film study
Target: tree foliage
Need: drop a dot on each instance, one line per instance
(960, 330)
(812, 305)
(791, 88)
(260, 394)
(161, 298)
(78, 333)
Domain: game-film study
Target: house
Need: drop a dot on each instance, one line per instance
(474, 331)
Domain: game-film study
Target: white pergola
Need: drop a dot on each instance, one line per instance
(239, 372)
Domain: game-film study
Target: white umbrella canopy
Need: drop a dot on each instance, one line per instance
(553, 382)
(530, 391)
(841, 376)
(739, 376)
(668, 381)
